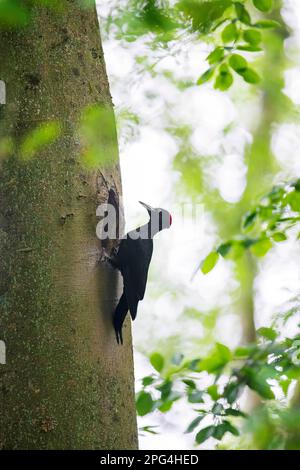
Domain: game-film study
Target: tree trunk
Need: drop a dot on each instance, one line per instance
(66, 383)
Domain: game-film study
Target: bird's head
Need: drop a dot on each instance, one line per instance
(159, 218)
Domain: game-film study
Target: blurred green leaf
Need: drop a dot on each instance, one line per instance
(212, 390)
(147, 380)
(222, 428)
(195, 396)
(216, 55)
(230, 33)
(252, 36)
(267, 24)
(206, 76)
(157, 361)
(234, 412)
(204, 434)
(232, 391)
(194, 424)
(263, 5)
(261, 247)
(293, 199)
(279, 237)
(249, 48)
(268, 333)
(249, 220)
(98, 137)
(242, 13)
(165, 389)
(13, 14)
(144, 403)
(238, 63)
(203, 14)
(250, 76)
(257, 381)
(216, 361)
(43, 135)
(224, 79)
(189, 383)
(209, 262)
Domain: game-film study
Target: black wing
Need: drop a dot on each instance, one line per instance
(134, 258)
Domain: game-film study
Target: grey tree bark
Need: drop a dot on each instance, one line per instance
(66, 383)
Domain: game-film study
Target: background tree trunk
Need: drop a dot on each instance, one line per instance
(66, 384)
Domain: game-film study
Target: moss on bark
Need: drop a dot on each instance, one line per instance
(66, 384)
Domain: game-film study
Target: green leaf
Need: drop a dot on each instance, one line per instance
(209, 262)
(212, 390)
(217, 360)
(252, 36)
(203, 14)
(249, 221)
(217, 409)
(194, 364)
(157, 361)
(147, 380)
(190, 383)
(238, 63)
(250, 76)
(293, 199)
(204, 434)
(144, 404)
(177, 358)
(224, 249)
(279, 237)
(206, 76)
(249, 48)
(232, 429)
(256, 380)
(42, 136)
(261, 247)
(224, 352)
(166, 406)
(230, 33)
(219, 431)
(195, 396)
(165, 389)
(13, 14)
(242, 13)
(234, 412)
(267, 24)
(268, 333)
(97, 135)
(215, 56)
(222, 428)
(263, 5)
(192, 426)
(224, 80)
(232, 391)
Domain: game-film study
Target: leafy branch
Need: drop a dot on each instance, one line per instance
(269, 222)
(262, 367)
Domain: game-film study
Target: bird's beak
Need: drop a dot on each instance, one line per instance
(149, 208)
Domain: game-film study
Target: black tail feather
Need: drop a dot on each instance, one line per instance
(119, 317)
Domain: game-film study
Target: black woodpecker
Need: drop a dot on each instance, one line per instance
(133, 260)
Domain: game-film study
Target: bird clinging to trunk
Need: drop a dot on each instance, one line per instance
(133, 260)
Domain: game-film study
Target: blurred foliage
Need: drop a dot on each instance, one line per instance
(269, 222)
(98, 137)
(267, 367)
(42, 136)
(232, 24)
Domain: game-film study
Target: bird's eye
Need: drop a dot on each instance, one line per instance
(170, 221)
